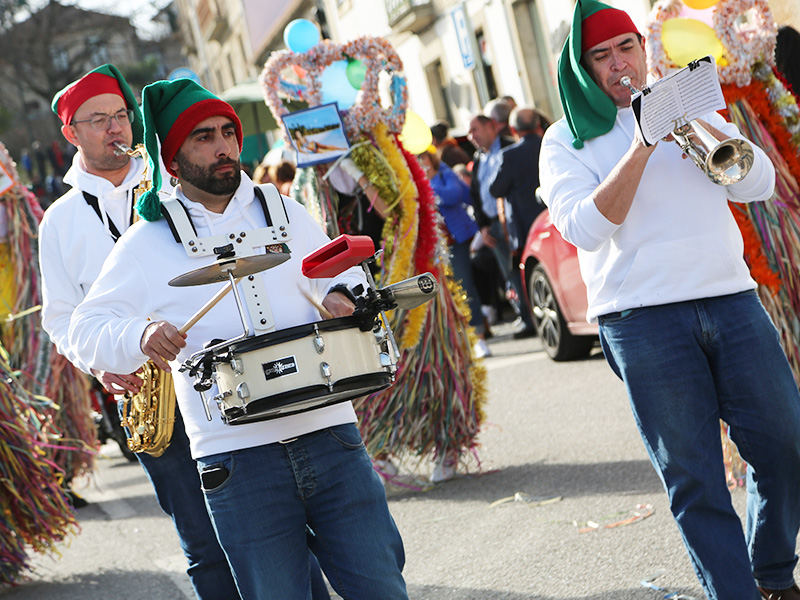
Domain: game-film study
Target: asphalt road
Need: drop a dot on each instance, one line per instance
(590, 520)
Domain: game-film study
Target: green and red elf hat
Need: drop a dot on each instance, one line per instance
(171, 110)
(105, 79)
(590, 113)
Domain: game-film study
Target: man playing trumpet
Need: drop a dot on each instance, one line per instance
(680, 320)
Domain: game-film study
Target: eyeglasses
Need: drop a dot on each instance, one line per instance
(103, 122)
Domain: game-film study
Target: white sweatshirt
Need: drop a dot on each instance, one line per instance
(74, 242)
(679, 241)
(108, 325)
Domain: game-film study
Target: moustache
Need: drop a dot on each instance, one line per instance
(225, 162)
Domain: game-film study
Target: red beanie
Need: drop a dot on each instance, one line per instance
(90, 85)
(604, 25)
(186, 121)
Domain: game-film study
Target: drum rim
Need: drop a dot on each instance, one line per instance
(290, 334)
(356, 386)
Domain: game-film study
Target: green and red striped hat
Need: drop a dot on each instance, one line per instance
(590, 113)
(171, 110)
(105, 79)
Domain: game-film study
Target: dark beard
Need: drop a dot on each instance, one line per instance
(204, 178)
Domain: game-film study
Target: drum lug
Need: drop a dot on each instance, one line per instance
(387, 363)
(220, 397)
(242, 391)
(236, 365)
(325, 369)
(319, 343)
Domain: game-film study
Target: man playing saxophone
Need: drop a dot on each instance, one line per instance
(680, 320)
(98, 112)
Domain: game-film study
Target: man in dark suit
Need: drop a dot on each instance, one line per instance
(484, 134)
(517, 176)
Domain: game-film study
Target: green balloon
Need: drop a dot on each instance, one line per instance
(356, 71)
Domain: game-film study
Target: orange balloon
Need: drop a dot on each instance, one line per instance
(299, 71)
(685, 40)
(700, 4)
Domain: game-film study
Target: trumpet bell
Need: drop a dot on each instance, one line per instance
(729, 161)
(723, 161)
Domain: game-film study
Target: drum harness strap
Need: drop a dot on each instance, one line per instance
(273, 236)
(92, 201)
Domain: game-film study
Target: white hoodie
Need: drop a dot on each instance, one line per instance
(679, 241)
(133, 286)
(74, 242)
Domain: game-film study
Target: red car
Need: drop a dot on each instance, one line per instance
(556, 293)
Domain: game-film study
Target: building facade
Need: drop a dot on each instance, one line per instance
(457, 54)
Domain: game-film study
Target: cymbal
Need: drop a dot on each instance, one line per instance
(240, 267)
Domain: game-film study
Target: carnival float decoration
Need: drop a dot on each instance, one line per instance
(47, 435)
(741, 35)
(435, 406)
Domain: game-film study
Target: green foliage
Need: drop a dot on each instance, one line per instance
(6, 119)
(139, 74)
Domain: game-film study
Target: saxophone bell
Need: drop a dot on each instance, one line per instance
(724, 162)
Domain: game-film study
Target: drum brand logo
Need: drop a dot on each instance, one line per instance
(280, 367)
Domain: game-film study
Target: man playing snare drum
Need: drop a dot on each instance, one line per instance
(268, 483)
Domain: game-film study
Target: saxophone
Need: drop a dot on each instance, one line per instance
(148, 415)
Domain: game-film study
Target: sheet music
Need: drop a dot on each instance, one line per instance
(677, 99)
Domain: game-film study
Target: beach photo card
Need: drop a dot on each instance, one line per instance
(316, 134)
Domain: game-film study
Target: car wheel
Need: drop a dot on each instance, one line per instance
(558, 342)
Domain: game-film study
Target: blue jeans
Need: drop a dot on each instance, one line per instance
(502, 252)
(461, 263)
(318, 492)
(685, 366)
(177, 486)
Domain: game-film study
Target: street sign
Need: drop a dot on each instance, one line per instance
(464, 36)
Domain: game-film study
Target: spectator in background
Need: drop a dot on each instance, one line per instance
(464, 173)
(484, 134)
(27, 163)
(450, 153)
(56, 157)
(517, 177)
(460, 227)
(544, 121)
(41, 160)
(787, 56)
(261, 173)
(510, 100)
(282, 175)
(499, 110)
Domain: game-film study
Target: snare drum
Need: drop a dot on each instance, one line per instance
(301, 368)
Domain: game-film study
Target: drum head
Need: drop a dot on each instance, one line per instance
(292, 333)
(240, 267)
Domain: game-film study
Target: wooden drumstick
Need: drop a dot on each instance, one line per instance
(205, 308)
(323, 312)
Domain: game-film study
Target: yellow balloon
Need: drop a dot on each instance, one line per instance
(685, 40)
(416, 135)
(700, 4)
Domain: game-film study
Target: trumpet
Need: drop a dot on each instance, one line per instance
(723, 161)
